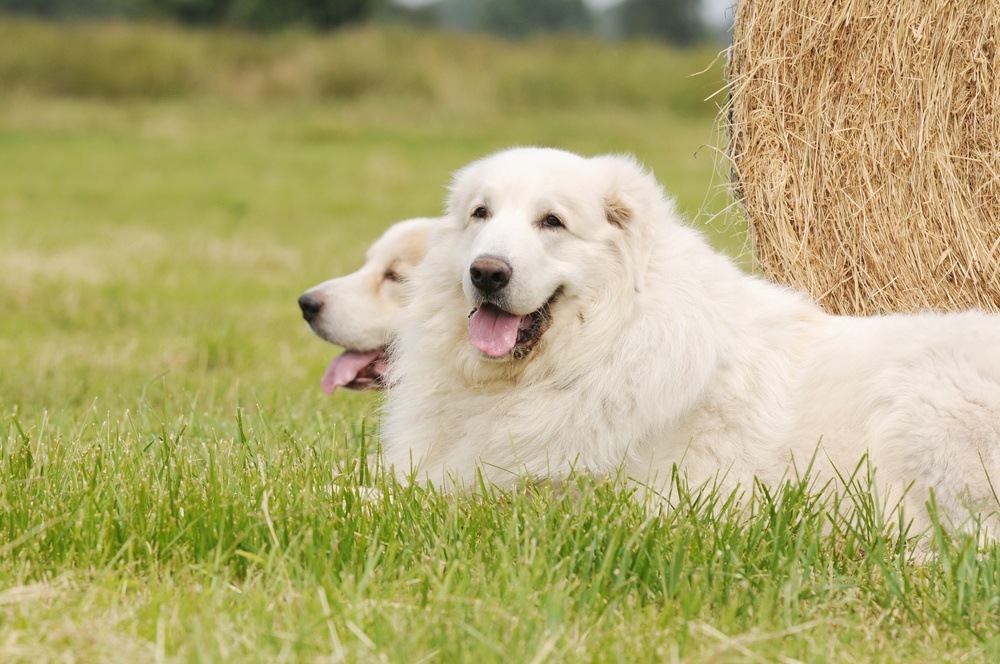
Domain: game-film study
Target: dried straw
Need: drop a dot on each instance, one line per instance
(865, 146)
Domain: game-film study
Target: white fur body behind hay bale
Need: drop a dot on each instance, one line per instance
(865, 141)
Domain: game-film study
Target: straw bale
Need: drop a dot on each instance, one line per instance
(865, 149)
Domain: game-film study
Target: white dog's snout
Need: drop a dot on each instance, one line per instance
(311, 304)
(490, 274)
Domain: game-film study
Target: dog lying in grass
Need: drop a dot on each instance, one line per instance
(356, 311)
(565, 319)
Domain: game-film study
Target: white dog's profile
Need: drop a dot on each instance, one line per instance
(356, 311)
(564, 319)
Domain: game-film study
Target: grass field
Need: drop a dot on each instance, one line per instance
(169, 486)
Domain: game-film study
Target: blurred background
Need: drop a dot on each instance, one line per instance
(174, 173)
(682, 22)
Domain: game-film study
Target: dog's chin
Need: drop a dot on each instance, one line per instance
(492, 330)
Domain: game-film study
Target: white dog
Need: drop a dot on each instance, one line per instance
(564, 319)
(356, 311)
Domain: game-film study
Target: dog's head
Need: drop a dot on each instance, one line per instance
(541, 229)
(356, 311)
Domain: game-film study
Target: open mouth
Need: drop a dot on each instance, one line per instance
(498, 333)
(356, 370)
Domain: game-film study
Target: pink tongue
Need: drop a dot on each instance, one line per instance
(493, 331)
(345, 368)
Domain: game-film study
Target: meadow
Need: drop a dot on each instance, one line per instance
(175, 487)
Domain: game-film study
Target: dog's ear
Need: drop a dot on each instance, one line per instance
(632, 201)
(456, 189)
(617, 211)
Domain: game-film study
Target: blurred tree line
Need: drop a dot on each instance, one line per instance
(676, 21)
(255, 14)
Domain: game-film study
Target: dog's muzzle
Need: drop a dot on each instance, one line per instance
(490, 274)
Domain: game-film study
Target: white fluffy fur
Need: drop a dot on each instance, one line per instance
(358, 308)
(662, 352)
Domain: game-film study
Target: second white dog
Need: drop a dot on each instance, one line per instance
(356, 311)
(564, 319)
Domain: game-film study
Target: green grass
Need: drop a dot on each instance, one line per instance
(174, 486)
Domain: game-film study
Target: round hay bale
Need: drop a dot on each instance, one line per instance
(865, 148)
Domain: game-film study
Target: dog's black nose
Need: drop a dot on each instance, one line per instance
(490, 274)
(310, 307)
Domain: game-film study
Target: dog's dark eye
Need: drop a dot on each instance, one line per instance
(390, 275)
(480, 212)
(552, 221)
